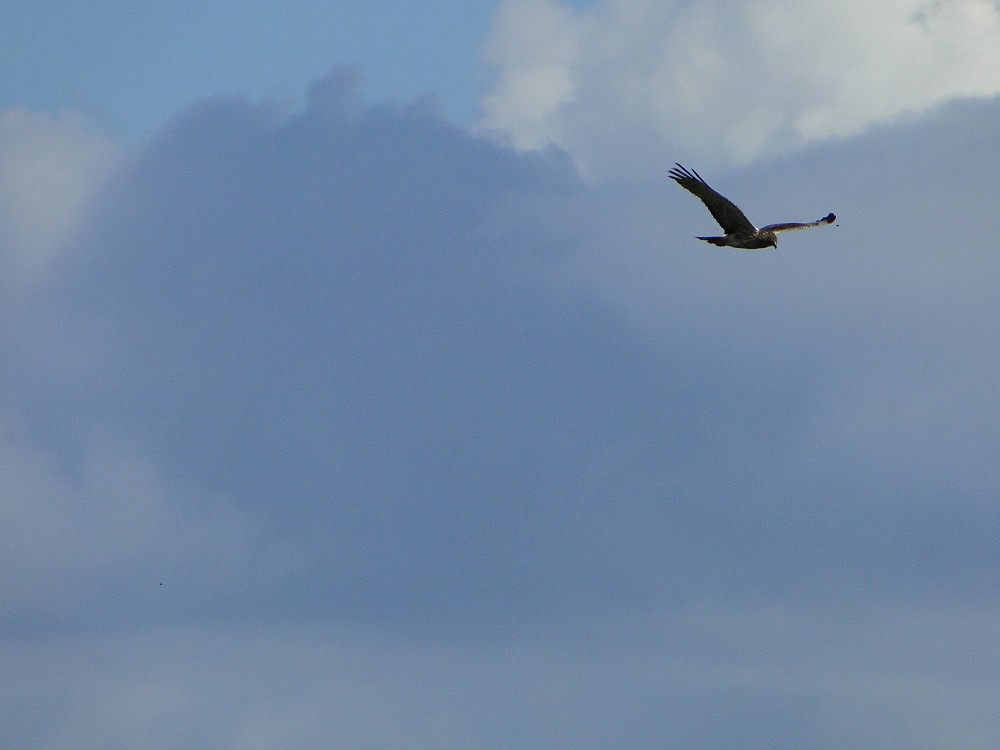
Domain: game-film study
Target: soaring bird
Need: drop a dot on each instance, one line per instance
(740, 232)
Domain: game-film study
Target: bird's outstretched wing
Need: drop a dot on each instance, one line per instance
(790, 226)
(730, 218)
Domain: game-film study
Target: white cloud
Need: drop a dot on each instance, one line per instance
(50, 171)
(623, 83)
(113, 524)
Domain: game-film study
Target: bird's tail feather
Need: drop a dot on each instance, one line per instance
(717, 241)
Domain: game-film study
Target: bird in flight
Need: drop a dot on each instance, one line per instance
(740, 232)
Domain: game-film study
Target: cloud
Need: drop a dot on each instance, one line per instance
(407, 352)
(617, 83)
(704, 676)
(51, 169)
(108, 534)
(431, 443)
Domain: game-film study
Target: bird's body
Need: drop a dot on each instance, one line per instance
(739, 230)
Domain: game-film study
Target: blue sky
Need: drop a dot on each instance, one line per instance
(130, 70)
(337, 415)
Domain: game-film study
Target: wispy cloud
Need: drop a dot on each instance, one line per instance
(51, 169)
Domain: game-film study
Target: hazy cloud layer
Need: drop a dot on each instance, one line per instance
(344, 427)
(701, 677)
(629, 86)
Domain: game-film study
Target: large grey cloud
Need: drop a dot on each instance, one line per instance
(429, 443)
(341, 323)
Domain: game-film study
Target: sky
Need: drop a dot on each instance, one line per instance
(365, 384)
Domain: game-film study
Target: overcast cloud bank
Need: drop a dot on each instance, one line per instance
(344, 426)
